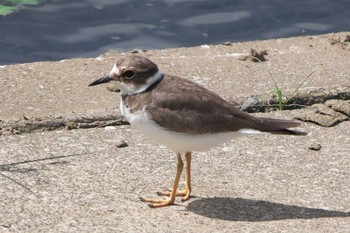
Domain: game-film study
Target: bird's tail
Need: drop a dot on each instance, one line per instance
(277, 126)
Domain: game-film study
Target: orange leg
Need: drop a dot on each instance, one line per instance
(171, 199)
(187, 191)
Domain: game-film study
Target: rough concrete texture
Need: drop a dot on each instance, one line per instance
(50, 88)
(79, 180)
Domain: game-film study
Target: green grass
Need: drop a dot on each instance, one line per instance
(282, 98)
(6, 10)
(13, 5)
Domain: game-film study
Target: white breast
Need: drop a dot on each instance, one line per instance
(178, 142)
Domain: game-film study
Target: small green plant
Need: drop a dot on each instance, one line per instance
(282, 99)
(11, 5)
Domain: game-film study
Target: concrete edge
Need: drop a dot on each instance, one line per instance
(252, 104)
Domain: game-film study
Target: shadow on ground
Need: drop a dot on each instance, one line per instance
(240, 209)
(13, 168)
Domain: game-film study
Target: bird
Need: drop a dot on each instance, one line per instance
(182, 115)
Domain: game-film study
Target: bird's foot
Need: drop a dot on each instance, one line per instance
(182, 193)
(155, 202)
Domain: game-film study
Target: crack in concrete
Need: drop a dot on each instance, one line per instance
(76, 121)
(309, 102)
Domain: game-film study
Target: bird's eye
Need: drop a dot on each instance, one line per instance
(128, 74)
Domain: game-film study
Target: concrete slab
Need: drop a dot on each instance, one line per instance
(80, 181)
(56, 88)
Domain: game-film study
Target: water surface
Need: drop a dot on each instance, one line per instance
(62, 29)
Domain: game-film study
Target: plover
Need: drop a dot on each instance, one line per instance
(181, 115)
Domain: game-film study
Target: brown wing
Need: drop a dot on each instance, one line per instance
(180, 105)
(190, 108)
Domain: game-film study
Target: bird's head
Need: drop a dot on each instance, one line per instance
(134, 75)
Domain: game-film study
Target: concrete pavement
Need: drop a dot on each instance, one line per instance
(78, 180)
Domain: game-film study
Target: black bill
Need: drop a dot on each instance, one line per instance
(104, 79)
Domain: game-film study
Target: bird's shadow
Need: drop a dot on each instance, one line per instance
(249, 210)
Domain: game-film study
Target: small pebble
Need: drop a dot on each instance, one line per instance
(315, 146)
(6, 225)
(122, 144)
(110, 128)
(138, 50)
(113, 89)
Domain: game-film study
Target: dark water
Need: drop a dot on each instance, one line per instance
(63, 29)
